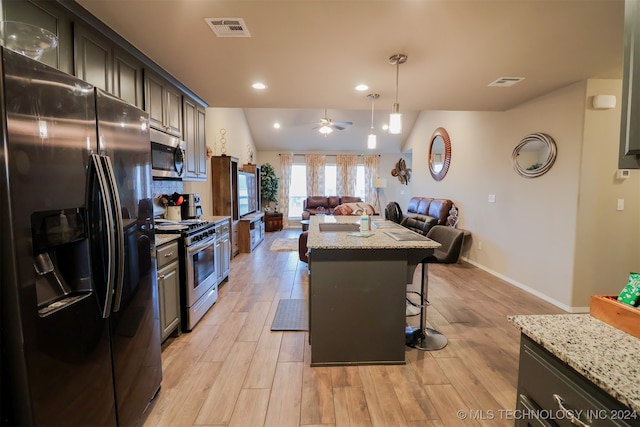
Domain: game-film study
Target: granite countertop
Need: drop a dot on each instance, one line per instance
(162, 239)
(605, 355)
(378, 238)
(216, 219)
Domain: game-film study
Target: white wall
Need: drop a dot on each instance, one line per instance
(607, 243)
(529, 235)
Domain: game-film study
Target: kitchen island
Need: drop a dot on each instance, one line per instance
(357, 289)
(585, 364)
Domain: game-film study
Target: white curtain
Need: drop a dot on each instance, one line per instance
(286, 164)
(346, 174)
(315, 174)
(371, 163)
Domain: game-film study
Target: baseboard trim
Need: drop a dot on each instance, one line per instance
(527, 288)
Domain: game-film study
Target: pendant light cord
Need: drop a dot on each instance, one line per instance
(373, 101)
(397, 76)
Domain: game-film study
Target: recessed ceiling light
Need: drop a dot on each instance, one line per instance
(276, 125)
(385, 127)
(259, 86)
(362, 87)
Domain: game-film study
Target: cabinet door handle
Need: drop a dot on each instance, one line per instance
(161, 277)
(170, 254)
(568, 412)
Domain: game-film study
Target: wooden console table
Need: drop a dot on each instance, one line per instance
(273, 221)
(250, 232)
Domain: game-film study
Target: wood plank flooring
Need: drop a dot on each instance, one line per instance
(232, 370)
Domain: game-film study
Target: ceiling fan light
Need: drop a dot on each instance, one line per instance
(372, 141)
(325, 130)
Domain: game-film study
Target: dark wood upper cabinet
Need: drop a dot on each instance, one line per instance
(99, 61)
(163, 102)
(93, 57)
(127, 78)
(52, 17)
(630, 119)
(194, 122)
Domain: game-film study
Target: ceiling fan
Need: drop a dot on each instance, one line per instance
(326, 125)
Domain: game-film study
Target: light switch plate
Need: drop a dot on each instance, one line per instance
(620, 204)
(492, 198)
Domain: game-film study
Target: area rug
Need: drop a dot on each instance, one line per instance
(291, 315)
(284, 245)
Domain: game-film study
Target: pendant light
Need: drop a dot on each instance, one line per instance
(372, 139)
(395, 118)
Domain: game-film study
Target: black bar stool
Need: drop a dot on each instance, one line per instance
(423, 338)
(450, 240)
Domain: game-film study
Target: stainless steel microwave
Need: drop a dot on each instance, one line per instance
(167, 155)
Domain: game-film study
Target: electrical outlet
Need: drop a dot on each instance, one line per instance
(492, 198)
(620, 204)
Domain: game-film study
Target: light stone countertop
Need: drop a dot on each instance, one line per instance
(379, 238)
(216, 219)
(606, 356)
(163, 239)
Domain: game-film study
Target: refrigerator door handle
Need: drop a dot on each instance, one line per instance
(106, 204)
(119, 232)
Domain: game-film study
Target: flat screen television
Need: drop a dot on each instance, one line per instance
(247, 193)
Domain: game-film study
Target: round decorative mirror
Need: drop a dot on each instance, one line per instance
(534, 155)
(439, 154)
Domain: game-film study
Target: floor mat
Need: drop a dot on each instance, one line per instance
(284, 245)
(291, 315)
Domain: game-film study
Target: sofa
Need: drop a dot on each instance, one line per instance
(322, 204)
(423, 213)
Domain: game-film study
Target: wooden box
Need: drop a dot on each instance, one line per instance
(273, 221)
(619, 315)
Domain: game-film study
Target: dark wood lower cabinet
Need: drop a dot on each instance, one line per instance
(169, 289)
(550, 393)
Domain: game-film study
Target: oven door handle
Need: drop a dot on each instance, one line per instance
(201, 245)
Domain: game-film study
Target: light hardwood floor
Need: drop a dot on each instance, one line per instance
(232, 370)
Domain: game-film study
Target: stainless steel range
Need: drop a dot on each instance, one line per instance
(199, 278)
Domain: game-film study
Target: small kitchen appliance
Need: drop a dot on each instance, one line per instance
(191, 207)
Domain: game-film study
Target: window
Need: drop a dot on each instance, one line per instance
(298, 189)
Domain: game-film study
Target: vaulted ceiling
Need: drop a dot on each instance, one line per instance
(312, 53)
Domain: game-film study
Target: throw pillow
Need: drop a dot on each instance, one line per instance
(354, 209)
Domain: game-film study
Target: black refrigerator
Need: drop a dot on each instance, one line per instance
(79, 299)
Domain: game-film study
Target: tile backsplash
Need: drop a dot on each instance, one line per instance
(166, 186)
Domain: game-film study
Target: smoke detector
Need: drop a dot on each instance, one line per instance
(228, 27)
(506, 81)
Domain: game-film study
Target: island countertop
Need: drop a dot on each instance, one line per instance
(606, 356)
(380, 236)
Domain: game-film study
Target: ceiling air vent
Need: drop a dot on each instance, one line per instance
(228, 27)
(506, 81)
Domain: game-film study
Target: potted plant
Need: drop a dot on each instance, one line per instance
(268, 185)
